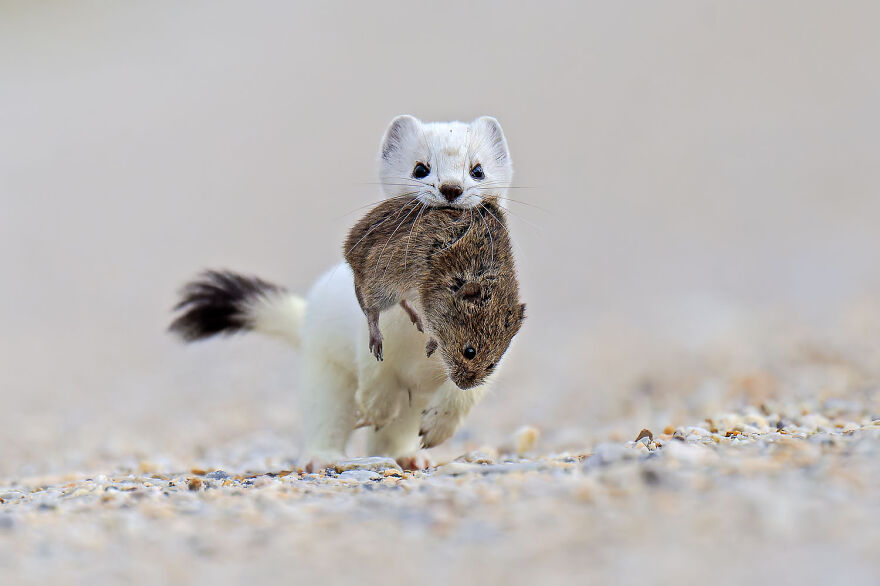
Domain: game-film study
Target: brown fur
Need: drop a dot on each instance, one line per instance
(460, 264)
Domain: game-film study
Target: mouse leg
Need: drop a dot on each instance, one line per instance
(372, 322)
(413, 316)
(375, 334)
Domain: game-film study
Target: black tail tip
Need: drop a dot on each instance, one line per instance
(216, 303)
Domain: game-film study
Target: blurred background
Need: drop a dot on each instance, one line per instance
(698, 222)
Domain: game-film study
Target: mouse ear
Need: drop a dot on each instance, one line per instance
(515, 315)
(470, 291)
(401, 128)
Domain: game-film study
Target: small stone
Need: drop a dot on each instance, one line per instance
(645, 434)
(699, 431)
(195, 483)
(668, 430)
(484, 456)
(217, 475)
(609, 453)
(359, 475)
(524, 439)
(456, 468)
(148, 467)
(198, 471)
(375, 464)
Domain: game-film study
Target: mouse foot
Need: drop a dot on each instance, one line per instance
(375, 334)
(376, 346)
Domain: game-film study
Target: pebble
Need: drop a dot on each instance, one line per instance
(456, 468)
(524, 439)
(376, 464)
(360, 475)
(217, 475)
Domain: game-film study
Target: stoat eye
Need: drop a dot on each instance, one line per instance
(469, 353)
(477, 172)
(420, 171)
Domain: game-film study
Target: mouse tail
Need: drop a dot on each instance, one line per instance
(223, 302)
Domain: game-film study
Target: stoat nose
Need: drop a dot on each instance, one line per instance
(450, 191)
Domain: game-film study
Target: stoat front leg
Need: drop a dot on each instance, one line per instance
(445, 412)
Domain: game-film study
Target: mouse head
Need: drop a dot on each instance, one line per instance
(472, 323)
(445, 163)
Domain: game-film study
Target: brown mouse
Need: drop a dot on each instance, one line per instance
(459, 264)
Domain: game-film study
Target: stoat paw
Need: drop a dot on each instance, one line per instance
(437, 426)
(417, 461)
(376, 409)
(318, 461)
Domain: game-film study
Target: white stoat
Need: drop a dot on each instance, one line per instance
(444, 163)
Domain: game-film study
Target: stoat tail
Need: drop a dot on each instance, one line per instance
(222, 302)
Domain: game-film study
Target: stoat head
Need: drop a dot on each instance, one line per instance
(445, 163)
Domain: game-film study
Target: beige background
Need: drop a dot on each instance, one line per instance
(708, 174)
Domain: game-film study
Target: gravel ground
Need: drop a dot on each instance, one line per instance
(786, 492)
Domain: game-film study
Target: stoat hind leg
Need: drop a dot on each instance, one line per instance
(379, 396)
(399, 439)
(328, 410)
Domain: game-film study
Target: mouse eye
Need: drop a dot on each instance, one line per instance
(477, 172)
(469, 353)
(420, 171)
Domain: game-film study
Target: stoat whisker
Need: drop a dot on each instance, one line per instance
(369, 205)
(491, 242)
(505, 198)
(520, 217)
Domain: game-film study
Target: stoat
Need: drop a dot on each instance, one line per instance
(450, 164)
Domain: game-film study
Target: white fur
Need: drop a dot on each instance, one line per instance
(343, 384)
(450, 150)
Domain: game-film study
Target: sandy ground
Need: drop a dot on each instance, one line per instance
(695, 228)
(787, 493)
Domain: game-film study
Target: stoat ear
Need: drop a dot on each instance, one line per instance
(489, 129)
(397, 132)
(470, 291)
